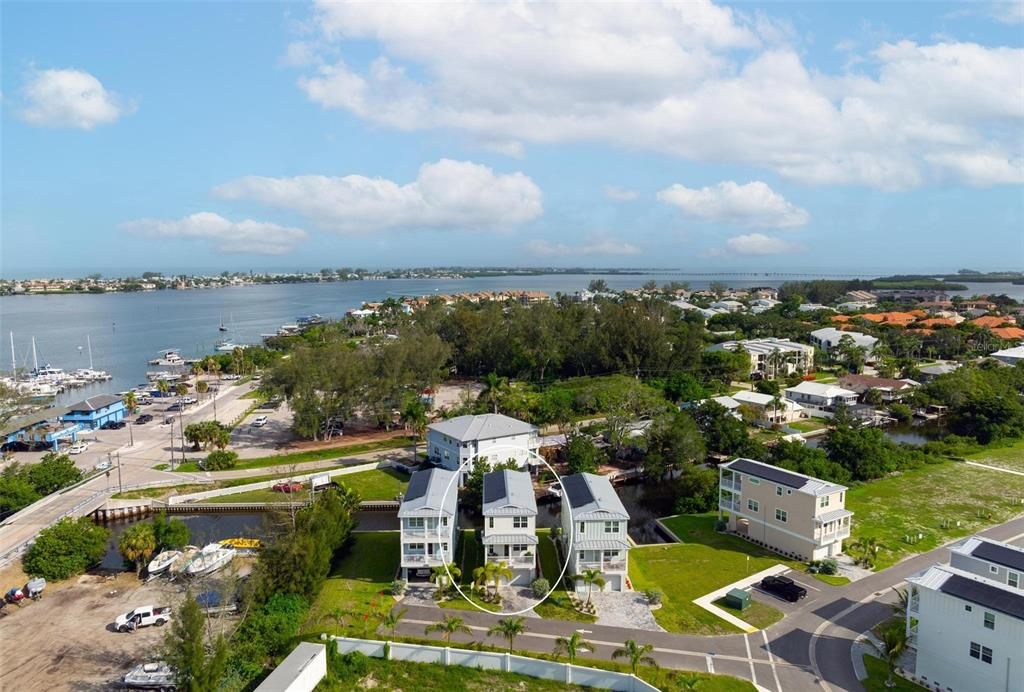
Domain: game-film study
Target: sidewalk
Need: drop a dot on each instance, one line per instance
(707, 601)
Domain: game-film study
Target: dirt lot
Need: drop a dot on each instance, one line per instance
(66, 641)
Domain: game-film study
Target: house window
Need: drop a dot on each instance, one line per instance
(490, 522)
(755, 481)
(444, 521)
(781, 515)
(753, 505)
(968, 608)
(993, 569)
(583, 556)
(823, 502)
(582, 527)
(611, 554)
(520, 522)
(1013, 579)
(778, 490)
(980, 652)
(415, 522)
(519, 549)
(611, 527)
(990, 620)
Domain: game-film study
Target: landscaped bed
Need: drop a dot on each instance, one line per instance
(704, 562)
(878, 674)
(930, 501)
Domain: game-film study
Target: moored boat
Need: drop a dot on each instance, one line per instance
(210, 559)
(163, 561)
(182, 561)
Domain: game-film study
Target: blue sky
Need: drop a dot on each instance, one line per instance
(202, 136)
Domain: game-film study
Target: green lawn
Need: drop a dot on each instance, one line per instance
(556, 606)
(312, 455)
(878, 674)
(376, 484)
(1010, 456)
(806, 425)
(760, 615)
(832, 579)
(705, 561)
(930, 501)
(354, 595)
(468, 556)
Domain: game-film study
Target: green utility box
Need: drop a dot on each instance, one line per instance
(738, 599)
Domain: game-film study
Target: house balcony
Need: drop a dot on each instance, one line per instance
(731, 484)
(516, 561)
(831, 537)
(602, 566)
(425, 531)
(728, 505)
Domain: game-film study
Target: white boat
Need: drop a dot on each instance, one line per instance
(169, 356)
(210, 559)
(226, 346)
(150, 676)
(161, 562)
(182, 562)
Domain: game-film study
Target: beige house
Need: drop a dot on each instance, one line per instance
(771, 358)
(785, 511)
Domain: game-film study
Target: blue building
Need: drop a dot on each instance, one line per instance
(95, 411)
(38, 430)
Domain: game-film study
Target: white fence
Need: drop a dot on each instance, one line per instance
(262, 485)
(488, 660)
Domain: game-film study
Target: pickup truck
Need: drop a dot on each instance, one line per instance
(784, 587)
(142, 617)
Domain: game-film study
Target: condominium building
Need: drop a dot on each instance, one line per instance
(510, 523)
(492, 436)
(966, 619)
(594, 524)
(771, 358)
(828, 338)
(428, 516)
(785, 511)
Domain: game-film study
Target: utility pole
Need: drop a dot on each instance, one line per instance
(131, 435)
(172, 444)
(120, 484)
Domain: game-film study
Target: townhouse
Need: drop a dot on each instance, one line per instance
(771, 358)
(820, 400)
(510, 523)
(785, 511)
(492, 436)
(428, 516)
(594, 523)
(966, 619)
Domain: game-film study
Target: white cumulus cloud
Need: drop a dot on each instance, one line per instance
(695, 80)
(759, 244)
(453, 194)
(753, 204)
(70, 98)
(595, 245)
(228, 237)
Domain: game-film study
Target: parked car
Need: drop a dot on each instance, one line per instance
(143, 616)
(784, 587)
(287, 487)
(143, 419)
(78, 448)
(259, 421)
(113, 425)
(102, 466)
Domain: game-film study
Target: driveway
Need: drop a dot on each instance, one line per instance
(627, 609)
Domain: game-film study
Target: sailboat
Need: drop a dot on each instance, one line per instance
(222, 327)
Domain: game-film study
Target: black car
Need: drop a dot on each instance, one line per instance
(143, 419)
(784, 587)
(113, 425)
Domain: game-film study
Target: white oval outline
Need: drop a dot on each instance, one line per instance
(440, 535)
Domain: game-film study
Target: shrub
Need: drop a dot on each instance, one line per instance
(350, 666)
(65, 549)
(653, 596)
(901, 412)
(541, 587)
(397, 587)
(721, 525)
(828, 566)
(220, 460)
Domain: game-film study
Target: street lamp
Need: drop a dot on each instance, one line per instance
(131, 436)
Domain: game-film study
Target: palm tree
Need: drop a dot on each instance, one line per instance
(636, 653)
(131, 402)
(572, 646)
(392, 619)
(479, 578)
(335, 615)
(414, 417)
(449, 626)
(137, 544)
(197, 370)
(893, 644)
(899, 608)
(509, 628)
(592, 578)
(163, 387)
(494, 389)
(439, 575)
(181, 389)
(497, 571)
(689, 681)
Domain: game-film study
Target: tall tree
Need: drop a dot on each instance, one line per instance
(199, 667)
(447, 627)
(137, 544)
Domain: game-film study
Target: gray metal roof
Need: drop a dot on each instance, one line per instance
(589, 494)
(484, 427)
(601, 544)
(790, 479)
(94, 403)
(426, 490)
(509, 493)
(514, 538)
(285, 675)
(985, 594)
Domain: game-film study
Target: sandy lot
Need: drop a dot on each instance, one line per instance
(66, 641)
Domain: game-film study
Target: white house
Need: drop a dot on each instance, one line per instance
(768, 409)
(510, 523)
(729, 305)
(772, 357)
(595, 536)
(428, 516)
(813, 307)
(1010, 356)
(820, 400)
(966, 619)
(492, 436)
(827, 339)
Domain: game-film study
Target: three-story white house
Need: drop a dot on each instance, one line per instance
(510, 523)
(966, 619)
(493, 436)
(428, 516)
(594, 532)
